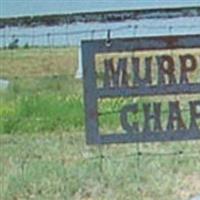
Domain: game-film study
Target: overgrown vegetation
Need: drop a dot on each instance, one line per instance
(43, 94)
(43, 154)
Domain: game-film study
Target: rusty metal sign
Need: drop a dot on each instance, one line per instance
(161, 76)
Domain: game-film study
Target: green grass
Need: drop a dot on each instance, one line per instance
(33, 114)
(43, 152)
(61, 166)
(43, 94)
(32, 105)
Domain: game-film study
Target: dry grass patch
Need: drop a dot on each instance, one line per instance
(190, 186)
(38, 62)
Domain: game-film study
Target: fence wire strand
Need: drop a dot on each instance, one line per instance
(34, 39)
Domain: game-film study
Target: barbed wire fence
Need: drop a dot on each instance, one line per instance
(65, 38)
(140, 157)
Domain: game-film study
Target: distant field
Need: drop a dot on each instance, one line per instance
(38, 62)
(43, 93)
(43, 154)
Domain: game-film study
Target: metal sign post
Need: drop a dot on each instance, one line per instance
(121, 78)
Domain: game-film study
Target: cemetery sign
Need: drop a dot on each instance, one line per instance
(164, 69)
